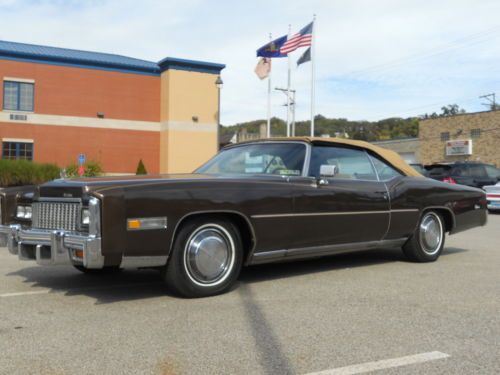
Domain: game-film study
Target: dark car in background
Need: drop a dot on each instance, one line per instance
(473, 174)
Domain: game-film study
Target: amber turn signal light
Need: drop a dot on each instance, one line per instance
(134, 224)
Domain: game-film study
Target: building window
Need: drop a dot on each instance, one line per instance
(445, 136)
(17, 150)
(475, 133)
(18, 96)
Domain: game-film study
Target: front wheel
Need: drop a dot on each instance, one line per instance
(206, 258)
(427, 242)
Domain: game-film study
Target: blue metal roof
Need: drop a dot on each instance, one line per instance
(99, 60)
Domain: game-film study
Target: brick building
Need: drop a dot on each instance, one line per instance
(58, 103)
(470, 136)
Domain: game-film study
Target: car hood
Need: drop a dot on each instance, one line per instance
(82, 187)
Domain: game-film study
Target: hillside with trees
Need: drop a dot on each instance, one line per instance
(390, 128)
(364, 130)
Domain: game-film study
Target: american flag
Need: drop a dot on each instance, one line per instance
(302, 39)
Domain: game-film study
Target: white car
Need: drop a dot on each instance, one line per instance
(493, 196)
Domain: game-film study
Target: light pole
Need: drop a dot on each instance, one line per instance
(219, 83)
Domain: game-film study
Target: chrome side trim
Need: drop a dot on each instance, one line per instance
(143, 261)
(318, 214)
(314, 251)
(266, 216)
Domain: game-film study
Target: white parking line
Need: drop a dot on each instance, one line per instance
(5, 295)
(383, 364)
(47, 291)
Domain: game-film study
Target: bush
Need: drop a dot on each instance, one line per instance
(141, 169)
(23, 172)
(92, 169)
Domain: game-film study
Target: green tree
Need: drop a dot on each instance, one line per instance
(141, 169)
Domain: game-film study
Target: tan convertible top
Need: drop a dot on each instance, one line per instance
(390, 156)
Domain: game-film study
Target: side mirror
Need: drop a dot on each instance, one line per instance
(327, 170)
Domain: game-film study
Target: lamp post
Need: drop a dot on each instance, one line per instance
(219, 83)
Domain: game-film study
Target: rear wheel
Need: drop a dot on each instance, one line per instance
(99, 271)
(427, 242)
(206, 258)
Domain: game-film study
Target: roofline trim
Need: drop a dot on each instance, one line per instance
(190, 65)
(86, 65)
(154, 68)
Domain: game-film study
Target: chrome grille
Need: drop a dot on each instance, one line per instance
(55, 215)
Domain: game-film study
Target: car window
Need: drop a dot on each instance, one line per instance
(438, 170)
(459, 171)
(477, 171)
(492, 171)
(264, 158)
(351, 163)
(384, 170)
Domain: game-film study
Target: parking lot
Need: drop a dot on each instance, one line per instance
(345, 314)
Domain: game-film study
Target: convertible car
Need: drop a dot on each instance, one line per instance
(256, 202)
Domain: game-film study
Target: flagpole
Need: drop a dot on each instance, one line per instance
(313, 78)
(288, 88)
(269, 96)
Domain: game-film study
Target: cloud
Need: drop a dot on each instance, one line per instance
(374, 59)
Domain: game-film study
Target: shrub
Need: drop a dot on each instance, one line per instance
(141, 169)
(92, 169)
(23, 172)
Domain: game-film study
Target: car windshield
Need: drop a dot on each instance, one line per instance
(285, 159)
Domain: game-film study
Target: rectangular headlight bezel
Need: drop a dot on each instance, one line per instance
(24, 212)
(85, 217)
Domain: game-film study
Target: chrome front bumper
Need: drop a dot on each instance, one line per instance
(52, 247)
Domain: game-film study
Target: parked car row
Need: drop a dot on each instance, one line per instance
(475, 174)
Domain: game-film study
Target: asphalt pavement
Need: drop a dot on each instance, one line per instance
(345, 314)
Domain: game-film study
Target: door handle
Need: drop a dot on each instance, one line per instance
(384, 193)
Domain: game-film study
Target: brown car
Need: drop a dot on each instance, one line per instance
(256, 202)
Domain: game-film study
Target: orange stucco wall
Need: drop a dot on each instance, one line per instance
(118, 151)
(72, 91)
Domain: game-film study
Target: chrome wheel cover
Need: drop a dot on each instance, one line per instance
(209, 255)
(431, 233)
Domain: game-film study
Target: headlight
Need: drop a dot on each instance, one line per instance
(85, 216)
(24, 212)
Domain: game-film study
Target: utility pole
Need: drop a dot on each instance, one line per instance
(492, 101)
(290, 103)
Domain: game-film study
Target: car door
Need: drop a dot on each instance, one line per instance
(350, 207)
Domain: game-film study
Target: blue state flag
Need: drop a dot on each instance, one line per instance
(272, 49)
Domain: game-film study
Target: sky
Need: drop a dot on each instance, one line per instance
(374, 59)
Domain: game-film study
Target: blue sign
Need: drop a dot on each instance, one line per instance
(81, 159)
